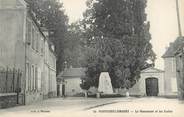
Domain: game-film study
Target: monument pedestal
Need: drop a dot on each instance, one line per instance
(85, 94)
(127, 94)
(97, 95)
(105, 85)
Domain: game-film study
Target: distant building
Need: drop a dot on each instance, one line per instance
(71, 79)
(151, 83)
(180, 69)
(170, 68)
(24, 46)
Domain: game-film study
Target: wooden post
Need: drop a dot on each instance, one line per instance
(98, 95)
(13, 80)
(85, 94)
(6, 80)
(17, 87)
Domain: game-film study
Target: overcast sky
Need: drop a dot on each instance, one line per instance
(162, 17)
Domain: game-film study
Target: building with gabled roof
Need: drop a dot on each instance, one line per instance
(24, 46)
(151, 83)
(170, 67)
(70, 80)
(179, 55)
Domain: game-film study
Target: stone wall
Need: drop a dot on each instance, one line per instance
(10, 100)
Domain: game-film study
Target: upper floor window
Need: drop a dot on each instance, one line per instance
(42, 45)
(33, 38)
(28, 32)
(2, 52)
(37, 41)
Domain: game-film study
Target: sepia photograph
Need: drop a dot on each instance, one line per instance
(91, 58)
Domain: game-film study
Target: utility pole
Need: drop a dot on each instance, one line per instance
(180, 71)
(178, 17)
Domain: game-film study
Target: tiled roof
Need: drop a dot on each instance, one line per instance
(72, 72)
(170, 52)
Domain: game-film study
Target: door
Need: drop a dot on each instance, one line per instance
(58, 90)
(63, 90)
(152, 87)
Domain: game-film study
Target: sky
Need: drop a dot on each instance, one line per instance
(160, 13)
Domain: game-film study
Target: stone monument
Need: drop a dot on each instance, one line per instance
(105, 85)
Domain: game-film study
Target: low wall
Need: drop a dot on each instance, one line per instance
(33, 97)
(8, 100)
(52, 94)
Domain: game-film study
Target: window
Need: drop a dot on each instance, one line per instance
(1, 52)
(32, 78)
(27, 76)
(36, 78)
(39, 79)
(28, 32)
(37, 42)
(42, 46)
(33, 38)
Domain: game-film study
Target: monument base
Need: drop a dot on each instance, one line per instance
(105, 85)
(114, 95)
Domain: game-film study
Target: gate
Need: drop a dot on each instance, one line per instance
(152, 87)
(10, 81)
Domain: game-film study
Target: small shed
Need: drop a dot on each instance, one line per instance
(69, 82)
(151, 83)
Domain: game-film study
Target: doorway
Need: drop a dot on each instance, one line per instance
(152, 87)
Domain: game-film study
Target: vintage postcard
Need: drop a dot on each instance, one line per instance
(91, 58)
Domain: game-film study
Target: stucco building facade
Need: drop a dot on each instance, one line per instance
(24, 46)
(170, 68)
(179, 55)
(150, 83)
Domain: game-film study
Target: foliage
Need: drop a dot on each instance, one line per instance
(74, 49)
(119, 34)
(50, 15)
(84, 85)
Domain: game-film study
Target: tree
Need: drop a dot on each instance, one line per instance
(118, 32)
(50, 15)
(74, 45)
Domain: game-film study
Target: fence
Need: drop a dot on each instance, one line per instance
(10, 80)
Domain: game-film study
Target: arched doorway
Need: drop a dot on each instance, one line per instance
(152, 86)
